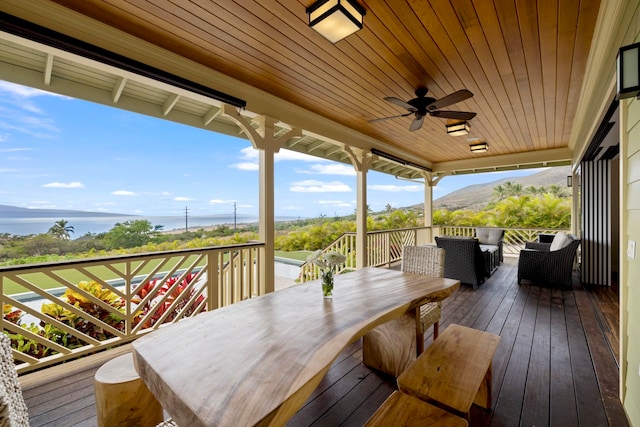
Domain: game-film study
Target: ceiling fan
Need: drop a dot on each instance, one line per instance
(422, 105)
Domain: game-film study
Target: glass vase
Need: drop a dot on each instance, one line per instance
(327, 284)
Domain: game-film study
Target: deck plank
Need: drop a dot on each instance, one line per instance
(543, 369)
(508, 408)
(563, 409)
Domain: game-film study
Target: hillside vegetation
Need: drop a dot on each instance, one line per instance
(478, 196)
(509, 203)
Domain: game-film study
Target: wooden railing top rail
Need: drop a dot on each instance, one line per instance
(127, 257)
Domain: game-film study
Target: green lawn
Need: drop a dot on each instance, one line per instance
(43, 281)
(74, 276)
(297, 255)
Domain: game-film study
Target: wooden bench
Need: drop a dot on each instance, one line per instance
(454, 372)
(403, 410)
(122, 399)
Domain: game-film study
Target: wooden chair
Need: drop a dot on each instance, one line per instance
(392, 346)
(13, 409)
(429, 261)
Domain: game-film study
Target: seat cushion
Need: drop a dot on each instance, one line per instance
(560, 241)
(488, 248)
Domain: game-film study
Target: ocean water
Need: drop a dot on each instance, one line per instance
(98, 224)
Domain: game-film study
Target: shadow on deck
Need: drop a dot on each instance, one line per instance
(555, 365)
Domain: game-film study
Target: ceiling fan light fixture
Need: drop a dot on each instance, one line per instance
(336, 19)
(481, 147)
(458, 129)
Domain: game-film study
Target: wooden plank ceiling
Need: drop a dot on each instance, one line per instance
(524, 61)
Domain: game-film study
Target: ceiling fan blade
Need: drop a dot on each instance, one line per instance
(416, 123)
(458, 115)
(400, 103)
(388, 118)
(450, 99)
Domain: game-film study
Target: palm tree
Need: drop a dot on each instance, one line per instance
(61, 229)
(512, 189)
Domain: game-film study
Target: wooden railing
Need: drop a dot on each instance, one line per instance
(383, 248)
(514, 238)
(103, 302)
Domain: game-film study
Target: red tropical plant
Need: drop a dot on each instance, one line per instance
(176, 301)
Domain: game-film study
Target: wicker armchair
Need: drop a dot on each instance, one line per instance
(428, 261)
(463, 259)
(13, 410)
(491, 236)
(408, 329)
(539, 264)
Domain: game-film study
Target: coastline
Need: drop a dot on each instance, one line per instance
(195, 228)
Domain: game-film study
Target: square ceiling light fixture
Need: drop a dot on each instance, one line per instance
(336, 19)
(458, 129)
(481, 147)
(628, 68)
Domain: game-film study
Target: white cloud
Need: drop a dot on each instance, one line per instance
(313, 186)
(183, 199)
(75, 184)
(245, 166)
(251, 156)
(220, 202)
(43, 206)
(245, 206)
(397, 188)
(14, 150)
(330, 169)
(123, 193)
(7, 170)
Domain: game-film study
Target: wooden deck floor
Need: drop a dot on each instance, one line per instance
(555, 365)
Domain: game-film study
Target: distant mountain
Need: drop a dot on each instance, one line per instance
(471, 197)
(478, 195)
(16, 212)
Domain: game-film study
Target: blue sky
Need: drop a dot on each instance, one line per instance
(61, 153)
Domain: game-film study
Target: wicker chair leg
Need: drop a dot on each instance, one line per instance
(419, 342)
(436, 329)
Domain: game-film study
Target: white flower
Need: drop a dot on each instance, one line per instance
(334, 258)
(327, 260)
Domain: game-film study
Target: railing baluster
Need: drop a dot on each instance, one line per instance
(179, 284)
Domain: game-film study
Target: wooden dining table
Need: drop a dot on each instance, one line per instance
(256, 362)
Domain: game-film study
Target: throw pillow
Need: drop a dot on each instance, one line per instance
(560, 241)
